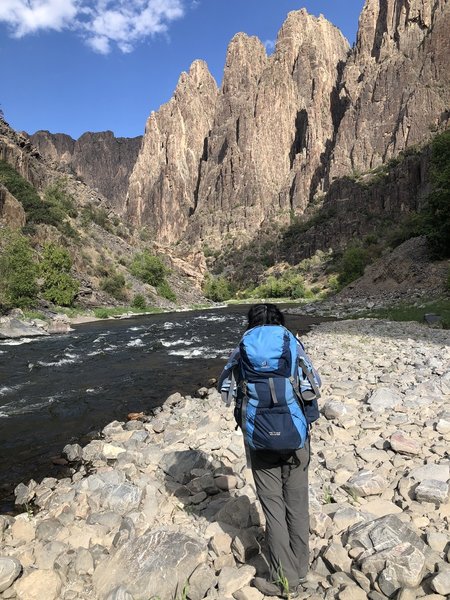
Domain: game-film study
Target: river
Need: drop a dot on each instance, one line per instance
(65, 388)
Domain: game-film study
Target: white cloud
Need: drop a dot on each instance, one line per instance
(28, 16)
(102, 23)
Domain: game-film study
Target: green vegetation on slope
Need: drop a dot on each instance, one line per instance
(53, 209)
(18, 271)
(58, 286)
(150, 269)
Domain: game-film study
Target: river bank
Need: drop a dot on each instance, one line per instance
(167, 501)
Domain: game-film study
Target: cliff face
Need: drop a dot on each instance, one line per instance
(396, 83)
(272, 122)
(284, 126)
(164, 183)
(101, 160)
(217, 165)
(11, 211)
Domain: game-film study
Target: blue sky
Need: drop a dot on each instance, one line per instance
(89, 65)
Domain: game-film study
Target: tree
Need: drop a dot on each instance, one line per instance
(58, 285)
(18, 271)
(352, 264)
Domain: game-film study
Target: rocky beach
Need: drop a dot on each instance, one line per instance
(163, 506)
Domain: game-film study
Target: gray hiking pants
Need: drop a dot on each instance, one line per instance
(282, 486)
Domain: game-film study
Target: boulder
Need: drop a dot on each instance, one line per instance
(10, 569)
(384, 400)
(157, 563)
(38, 585)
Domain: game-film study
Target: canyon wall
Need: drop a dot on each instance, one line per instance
(101, 160)
(217, 164)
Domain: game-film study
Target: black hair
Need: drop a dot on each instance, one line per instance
(264, 314)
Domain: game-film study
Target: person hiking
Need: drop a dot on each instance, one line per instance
(275, 389)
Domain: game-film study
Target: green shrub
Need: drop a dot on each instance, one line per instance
(36, 210)
(148, 268)
(114, 285)
(57, 196)
(352, 264)
(289, 284)
(99, 216)
(165, 291)
(217, 289)
(101, 313)
(437, 211)
(18, 271)
(58, 285)
(411, 225)
(139, 302)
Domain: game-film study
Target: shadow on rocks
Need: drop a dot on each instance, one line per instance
(220, 495)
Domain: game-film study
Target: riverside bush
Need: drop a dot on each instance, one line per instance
(217, 289)
(352, 264)
(148, 268)
(18, 271)
(58, 285)
(165, 291)
(290, 284)
(139, 302)
(114, 285)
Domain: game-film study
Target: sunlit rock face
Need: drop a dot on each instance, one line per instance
(396, 83)
(217, 164)
(164, 184)
(272, 125)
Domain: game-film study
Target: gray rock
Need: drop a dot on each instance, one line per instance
(84, 562)
(236, 512)
(405, 568)
(73, 452)
(337, 557)
(245, 545)
(200, 582)
(383, 534)
(121, 498)
(366, 483)
(232, 579)
(334, 409)
(142, 565)
(48, 529)
(440, 472)
(433, 321)
(384, 399)
(179, 464)
(10, 569)
(14, 328)
(46, 554)
(345, 518)
(441, 582)
(110, 519)
(432, 490)
(120, 593)
(25, 493)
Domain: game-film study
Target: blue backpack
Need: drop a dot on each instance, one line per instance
(277, 390)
